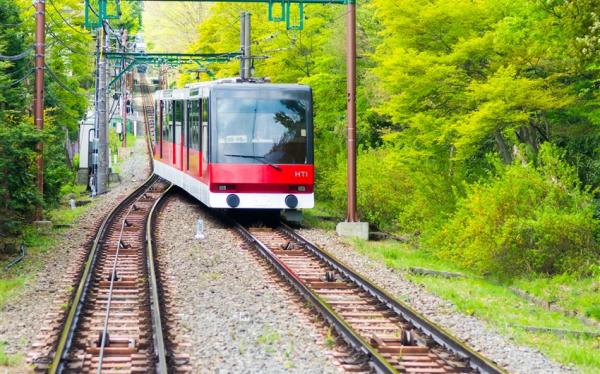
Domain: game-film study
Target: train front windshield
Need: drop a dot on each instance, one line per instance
(271, 127)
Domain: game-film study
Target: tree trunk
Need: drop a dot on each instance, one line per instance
(502, 147)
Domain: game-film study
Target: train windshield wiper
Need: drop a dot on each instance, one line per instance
(259, 158)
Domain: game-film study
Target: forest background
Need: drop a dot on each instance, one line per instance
(478, 120)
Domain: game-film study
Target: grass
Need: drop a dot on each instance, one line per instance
(7, 360)
(37, 243)
(492, 301)
(268, 337)
(130, 140)
(321, 209)
(13, 280)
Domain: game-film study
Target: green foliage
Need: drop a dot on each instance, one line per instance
(455, 101)
(495, 302)
(393, 193)
(526, 219)
(18, 192)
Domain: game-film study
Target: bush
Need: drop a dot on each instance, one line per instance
(527, 219)
(392, 192)
(18, 193)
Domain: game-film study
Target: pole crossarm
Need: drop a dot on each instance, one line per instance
(278, 10)
(173, 58)
(125, 70)
(345, 2)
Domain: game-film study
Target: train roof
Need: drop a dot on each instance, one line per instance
(200, 89)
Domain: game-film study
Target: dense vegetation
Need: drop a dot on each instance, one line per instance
(69, 78)
(478, 121)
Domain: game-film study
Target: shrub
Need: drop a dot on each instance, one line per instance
(392, 192)
(527, 219)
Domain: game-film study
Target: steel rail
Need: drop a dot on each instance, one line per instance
(149, 141)
(68, 332)
(155, 308)
(113, 274)
(438, 334)
(376, 361)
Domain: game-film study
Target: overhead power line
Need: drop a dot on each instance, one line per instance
(65, 45)
(58, 81)
(20, 56)
(65, 20)
(18, 81)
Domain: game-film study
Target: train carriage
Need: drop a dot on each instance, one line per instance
(237, 144)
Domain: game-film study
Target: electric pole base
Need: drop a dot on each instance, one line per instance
(358, 230)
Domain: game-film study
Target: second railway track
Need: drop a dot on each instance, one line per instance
(392, 336)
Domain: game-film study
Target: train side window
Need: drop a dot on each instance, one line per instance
(205, 142)
(170, 121)
(165, 121)
(204, 133)
(194, 118)
(156, 122)
(204, 109)
(178, 119)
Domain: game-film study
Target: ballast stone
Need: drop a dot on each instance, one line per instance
(358, 230)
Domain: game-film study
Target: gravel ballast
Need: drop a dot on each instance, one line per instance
(235, 319)
(23, 315)
(514, 358)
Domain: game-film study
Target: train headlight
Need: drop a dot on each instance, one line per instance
(233, 200)
(226, 187)
(291, 201)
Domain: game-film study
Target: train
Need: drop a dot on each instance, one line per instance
(236, 144)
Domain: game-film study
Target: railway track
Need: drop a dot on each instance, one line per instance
(114, 323)
(114, 320)
(392, 336)
(148, 108)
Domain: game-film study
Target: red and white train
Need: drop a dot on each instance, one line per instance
(237, 144)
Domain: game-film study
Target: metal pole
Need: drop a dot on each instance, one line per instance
(245, 46)
(38, 106)
(94, 170)
(351, 108)
(242, 45)
(102, 175)
(124, 92)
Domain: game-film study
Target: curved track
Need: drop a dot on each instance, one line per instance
(114, 322)
(393, 337)
(114, 319)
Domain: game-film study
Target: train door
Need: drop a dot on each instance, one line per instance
(188, 120)
(182, 142)
(204, 137)
(161, 105)
(174, 132)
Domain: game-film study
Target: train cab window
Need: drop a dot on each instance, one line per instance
(255, 128)
(178, 120)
